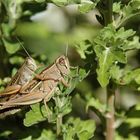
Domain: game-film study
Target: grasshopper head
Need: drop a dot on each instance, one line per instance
(62, 64)
(30, 63)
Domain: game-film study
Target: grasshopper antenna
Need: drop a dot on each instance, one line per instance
(23, 47)
(67, 47)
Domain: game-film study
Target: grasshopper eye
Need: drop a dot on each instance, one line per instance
(62, 61)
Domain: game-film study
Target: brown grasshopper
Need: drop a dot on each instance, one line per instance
(22, 77)
(43, 86)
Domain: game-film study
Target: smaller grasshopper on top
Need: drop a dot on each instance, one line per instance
(22, 76)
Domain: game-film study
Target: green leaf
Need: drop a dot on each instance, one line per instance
(122, 34)
(46, 135)
(6, 30)
(96, 104)
(116, 73)
(99, 42)
(134, 111)
(106, 59)
(16, 60)
(60, 2)
(65, 2)
(108, 32)
(14, 70)
(40, 1)
(83, 130)
(10, 47)
(82, 47)
(63, 105)
(127, 12)
(134, 44)
(5, 133)
(116, 7)
(133, 122)
(6, 79)
(86, 6)
(77, 75)
(130, 137)
(36, 114)
(133, 116)
(120, 56)
(131, 76)
(132, 7)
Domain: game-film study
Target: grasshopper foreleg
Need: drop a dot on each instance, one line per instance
(64, 82)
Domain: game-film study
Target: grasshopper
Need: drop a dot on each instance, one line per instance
(22, 76)
(43, 86)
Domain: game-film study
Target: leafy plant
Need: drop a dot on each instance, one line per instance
(107, 56)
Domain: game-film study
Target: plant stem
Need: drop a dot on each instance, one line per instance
(110, 119)
(110, 10)
(59, 123)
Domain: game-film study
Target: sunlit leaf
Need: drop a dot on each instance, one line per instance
(96, 104)
(133, 122)
(127, 12)
(16, 60)
(105, 62)
(5, 133)
(83, 130)
(35, 115)
(134, 44)
(116, 7)
(47, 135)
(124, 34)
(86, 6)
(130, 137)
(40, 1)
(132, 76)
(11, 48)
(116, 73)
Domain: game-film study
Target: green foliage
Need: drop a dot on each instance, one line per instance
(96, 104)
(107, 56)
(11, 48)
(76, 128)
(126, 12)
(84, 6)
(111, 47)
(35, 115)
